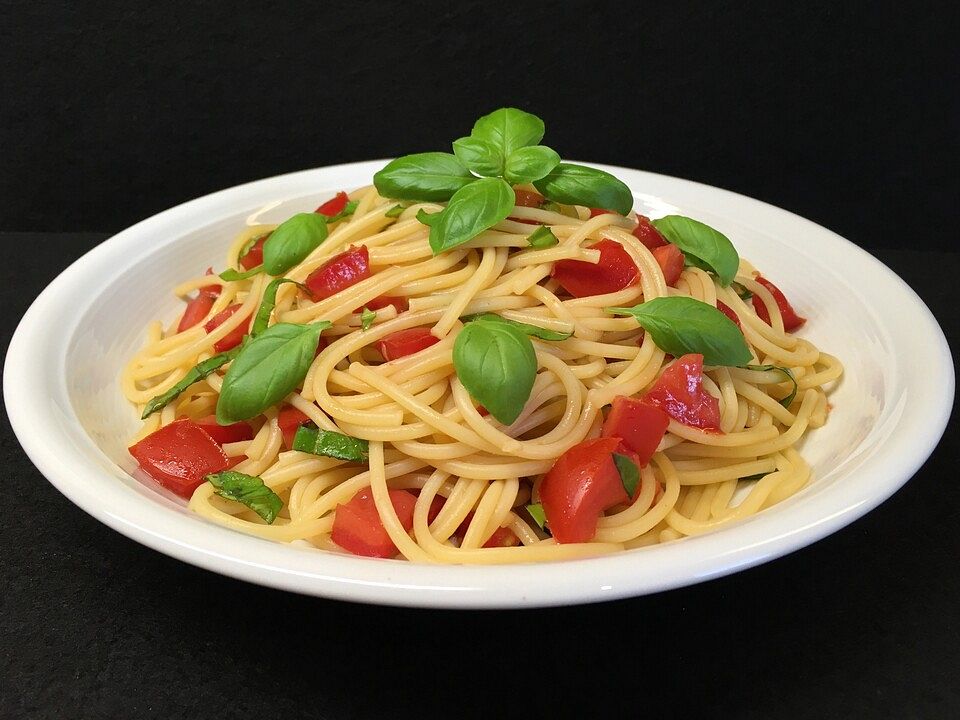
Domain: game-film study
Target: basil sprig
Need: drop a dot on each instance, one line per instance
(787, 373)
(197, 373)
(509, 129)
(480, 156)
(331, 444)
(581, 185)
(232, 275)
(269, 368)
(542, 237)
(430, 176)
(472, 209)
(527, 164)
(528, 329)
(248, 490)
(537, 513)
(292, 241)
(269, 302)
(681, 325)
(702, 246)
(629, 475)
(497, 364)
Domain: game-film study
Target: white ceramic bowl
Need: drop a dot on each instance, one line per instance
(63, 399)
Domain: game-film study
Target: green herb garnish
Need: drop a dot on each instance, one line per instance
(629, 475)
(542, 237)
(330, 444)
(366, 318)
(702, 246)
(248, 490)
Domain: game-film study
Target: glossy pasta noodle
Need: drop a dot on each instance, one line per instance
(425, 433)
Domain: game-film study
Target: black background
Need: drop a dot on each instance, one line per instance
(844, 113)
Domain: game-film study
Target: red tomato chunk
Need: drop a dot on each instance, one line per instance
(728, 311)
(289, 419)
(646, 233)
(237, 432)
(232, 338)
(639, 425)
(334, 205)
(179, 456)
(791, 321)
(254, 256)
(357, 527)
(670, 260)
(400, 303)
(406, 342)
(197, 309)
(679, 392)
(528, 198)
(582, 483)
(340, 272)
(615, 271)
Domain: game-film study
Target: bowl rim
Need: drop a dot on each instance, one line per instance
(68, 465)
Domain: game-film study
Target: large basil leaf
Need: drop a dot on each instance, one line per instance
(481, 156)
(535, 330)
(527, 164)
(292, 241)
(496, 363)
(509, 129)
(580, 185)
(681, 325)
(472, 209)
(248, 490)
(701, 243)
(268, 369)
(429, 176)
(195, 374)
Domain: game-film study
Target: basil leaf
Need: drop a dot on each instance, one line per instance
(429, 219)
(787, 373)
(580, 185)
(472, 209)
(741, 291)
(701, 242)
(366, 318)
(349, 209)
(394, 212)
(269, 302)
(537, 513)
(496, 363)
(481, 156)
(542, 237)
(758, 476)
(248, 490)
(292, 241)
(509, 129)
(232, 275)
(433, 176)
(268, 369)
(526, 328)
(629, 475)
(331, 444)
(527, 164)
(195, 374)
(681, 325)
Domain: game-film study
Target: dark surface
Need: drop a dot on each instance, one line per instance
(864, 624)
(843, 112)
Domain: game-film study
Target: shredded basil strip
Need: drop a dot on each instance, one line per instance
(535, 330)
(197, 373)
(786, 372)
(542, 237)
(231, 275)
(395, 212)
(269, 302)
(366, 318)
(538, 515)
(248, 490)
(331, 444)
(629, 475)
(349, 209)
(741, 291)
(758, 476)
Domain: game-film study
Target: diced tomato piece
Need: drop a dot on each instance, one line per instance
(236, 432)
(321, 346)
(528, 198)
(600, 211)
(728, 311)
(289, 419)
(436, 505)
(179, 456)
(334, 205)
(400, 303)
(232, 338)
(640, 425)
(340, 272)
(615, 271)
(196, 310)
(482, 410)
(791, 321)
(679, 393)
(357, 527)
(501, 537)
(582, 483)
(406, 342)
(254, 256)
(232, 462)
(646, 233)
(211, 290)
(670, 260)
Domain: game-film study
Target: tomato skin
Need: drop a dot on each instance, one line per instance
(400, 303)
(232, 338)
(528, 198)
(670, 260)
(334, 205)
(582, 483)
(406, 342)
(791, 321)
(600, 211)
(340, 272)
(289, 420)
(639, 425)
(357, 527)
(679, 393)
(254, 256)
(728, 311)
(615, 271)
(179, 456)
(237, 432)
(196, 310)
(646, 233)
